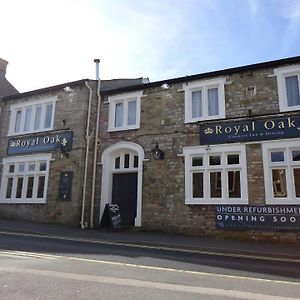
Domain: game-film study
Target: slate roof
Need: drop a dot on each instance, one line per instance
(6, 88)
(106, 85)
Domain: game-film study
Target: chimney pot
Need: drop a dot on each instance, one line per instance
(97, 61)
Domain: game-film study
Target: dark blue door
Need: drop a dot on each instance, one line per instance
(124, 193)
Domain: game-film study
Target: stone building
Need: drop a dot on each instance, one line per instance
(47, 137)
(6, 88)
(215, 154)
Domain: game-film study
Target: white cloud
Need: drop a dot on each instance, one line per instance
(291, 11)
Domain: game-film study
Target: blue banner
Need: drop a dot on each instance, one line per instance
(264, 218)
(41, 143)
(267, 128)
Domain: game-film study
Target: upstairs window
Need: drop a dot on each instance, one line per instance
(32, 117)
(288, 80)
(124, 111)
(204, 100)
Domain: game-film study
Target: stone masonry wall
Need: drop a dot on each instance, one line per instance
(70, 113)
(162, 122)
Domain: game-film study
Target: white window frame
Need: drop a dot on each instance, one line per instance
(33, 105)
(206, 151)
(124, 98)
(281, 74)
(36, 173)
(122, 169)
(204, 85)
(286, 146)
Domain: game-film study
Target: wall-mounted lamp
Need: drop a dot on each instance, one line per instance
(158, 153)
(165, 86)
(208, 148)
(68, 89)
(63, 151)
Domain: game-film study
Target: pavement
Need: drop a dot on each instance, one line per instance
(155, 240)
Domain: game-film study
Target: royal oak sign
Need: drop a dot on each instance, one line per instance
(251, 130)
(41, 143)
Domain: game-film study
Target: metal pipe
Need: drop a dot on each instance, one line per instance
(97, 61)
(95, 148)
(87, 138)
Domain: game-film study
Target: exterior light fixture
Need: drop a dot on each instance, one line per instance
(158, 153)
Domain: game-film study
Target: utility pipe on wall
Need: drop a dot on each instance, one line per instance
(97, 61)
(87, 138)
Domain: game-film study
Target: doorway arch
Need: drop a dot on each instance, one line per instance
(122, 158)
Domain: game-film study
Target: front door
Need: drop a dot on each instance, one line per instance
(124, 193)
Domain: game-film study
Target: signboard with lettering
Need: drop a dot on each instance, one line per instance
(41, 143)
(250, 130)
(65, 186)
(112, 217)
(266, 218)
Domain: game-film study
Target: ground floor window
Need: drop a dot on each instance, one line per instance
(25, 179)
(216, 175)
(282, 171)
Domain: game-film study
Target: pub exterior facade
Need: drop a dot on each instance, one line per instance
(214, 154)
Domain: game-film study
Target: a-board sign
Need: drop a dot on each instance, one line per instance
(112, 217)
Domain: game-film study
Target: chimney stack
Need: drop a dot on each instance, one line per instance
(3, 65)
(97, 62)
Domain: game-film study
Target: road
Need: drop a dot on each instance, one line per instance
(36, 267)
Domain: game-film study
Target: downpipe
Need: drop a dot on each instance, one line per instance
(87, 139)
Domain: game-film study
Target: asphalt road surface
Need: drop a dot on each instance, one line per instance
(33, 267)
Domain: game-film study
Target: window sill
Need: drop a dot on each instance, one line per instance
(122, 129)
(23, 201)
(283, 201)
(195, 120)
(29, 132)
(289, 108)
(215, 201)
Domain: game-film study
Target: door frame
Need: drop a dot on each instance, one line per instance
(106, 160)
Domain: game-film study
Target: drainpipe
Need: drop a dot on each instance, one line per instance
(97, 61)
(87, 138)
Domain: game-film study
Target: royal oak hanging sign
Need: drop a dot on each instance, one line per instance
(41, 143)
(250, 130)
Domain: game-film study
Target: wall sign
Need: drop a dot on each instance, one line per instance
(265, 218)
(250, 130)
(65, 186)
(41, 143)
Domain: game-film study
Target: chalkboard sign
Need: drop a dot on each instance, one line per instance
(112, 217)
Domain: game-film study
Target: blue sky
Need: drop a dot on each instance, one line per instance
(52, 42)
